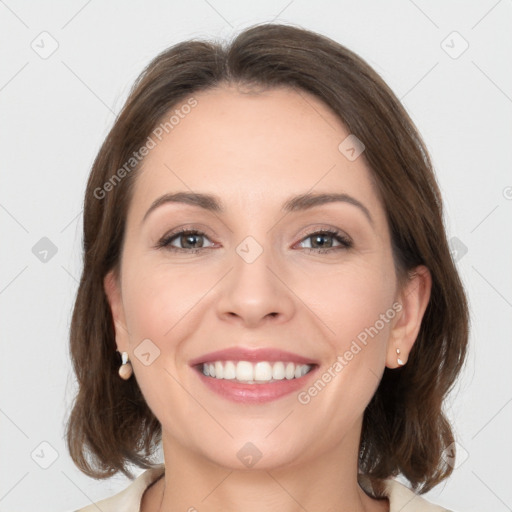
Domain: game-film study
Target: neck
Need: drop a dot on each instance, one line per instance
(194, 483)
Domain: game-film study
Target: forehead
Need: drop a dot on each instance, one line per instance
(249, 147)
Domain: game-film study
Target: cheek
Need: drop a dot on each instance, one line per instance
(358, 310)
(158, 305)
(363, 319)
(157, 299)
(354, 303)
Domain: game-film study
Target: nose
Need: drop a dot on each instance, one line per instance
(255, 293)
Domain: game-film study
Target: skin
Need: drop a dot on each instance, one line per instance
(254, 151)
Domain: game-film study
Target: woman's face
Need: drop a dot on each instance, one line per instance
(259, 273)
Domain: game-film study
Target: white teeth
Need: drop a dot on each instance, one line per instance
(262, 371)
(290, 371)
(278, 371)
(300, 372)
(253, 373)
(244, 370)
(229, 370)
(219, 370)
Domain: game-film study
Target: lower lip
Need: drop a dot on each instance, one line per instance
(254, 393)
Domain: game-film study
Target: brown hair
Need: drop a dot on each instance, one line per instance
(404, 428)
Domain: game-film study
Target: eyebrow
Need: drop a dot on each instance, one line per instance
(301, 202)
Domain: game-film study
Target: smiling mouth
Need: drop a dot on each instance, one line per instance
(260, 372)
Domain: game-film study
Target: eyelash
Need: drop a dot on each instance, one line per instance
(345, 242)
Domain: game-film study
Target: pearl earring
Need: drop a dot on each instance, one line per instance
(125, 370)
(398, 360)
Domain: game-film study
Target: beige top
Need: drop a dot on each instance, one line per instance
(401, 499)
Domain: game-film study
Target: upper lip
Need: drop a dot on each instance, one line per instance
(252, 355)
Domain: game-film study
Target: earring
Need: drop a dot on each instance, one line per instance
(125, 370)
(398, 360)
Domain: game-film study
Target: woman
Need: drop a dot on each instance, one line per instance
(267, 288)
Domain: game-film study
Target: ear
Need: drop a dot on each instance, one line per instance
(112, 286)
(414, 297)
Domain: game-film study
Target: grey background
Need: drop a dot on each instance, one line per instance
(56, 109)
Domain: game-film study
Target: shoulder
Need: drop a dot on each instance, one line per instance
(128, 499)
(400, 497)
